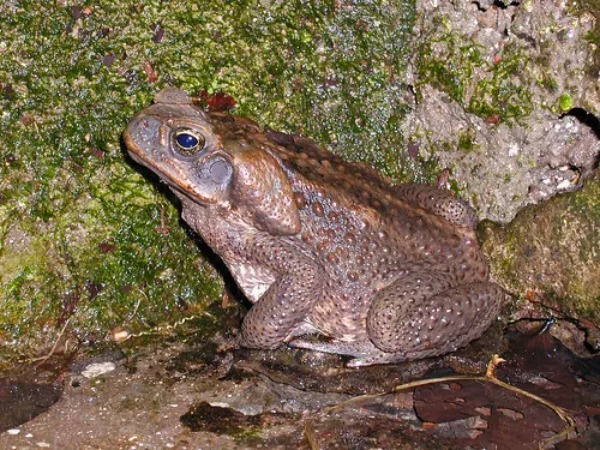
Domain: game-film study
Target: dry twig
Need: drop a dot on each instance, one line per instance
(489, 377)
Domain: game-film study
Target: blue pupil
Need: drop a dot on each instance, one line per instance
(186, 141)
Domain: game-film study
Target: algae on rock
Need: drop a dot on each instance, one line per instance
(552, 249)
(84, 238)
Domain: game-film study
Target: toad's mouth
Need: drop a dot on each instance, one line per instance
(179, 189)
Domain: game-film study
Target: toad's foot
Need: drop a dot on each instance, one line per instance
(364, 352)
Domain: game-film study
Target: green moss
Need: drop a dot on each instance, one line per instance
(100, 245)
(466, 140)
(593, 36)
(501, 93)
(545, 80)
(587, 206)
(484, 88)
(565, 102)
(450, 69)
(549, 264)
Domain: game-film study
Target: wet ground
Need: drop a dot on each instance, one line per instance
(191, 389)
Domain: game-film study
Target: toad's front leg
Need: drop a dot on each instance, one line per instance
(289, 299)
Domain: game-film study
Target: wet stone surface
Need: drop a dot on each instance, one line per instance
(22, 401)
(192, 391)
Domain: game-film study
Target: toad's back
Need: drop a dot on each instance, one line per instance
(354, 217)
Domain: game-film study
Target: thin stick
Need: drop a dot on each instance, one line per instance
(489, 377)
(43, 359)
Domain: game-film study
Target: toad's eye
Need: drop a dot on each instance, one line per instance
(188, 143)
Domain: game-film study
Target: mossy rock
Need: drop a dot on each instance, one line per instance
(84, 237)
(552, 249)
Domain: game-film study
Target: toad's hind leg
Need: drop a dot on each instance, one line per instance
(418, 316)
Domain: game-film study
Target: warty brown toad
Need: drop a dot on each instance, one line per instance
(319, 245)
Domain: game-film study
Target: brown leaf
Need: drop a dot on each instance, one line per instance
(106, 247)
(219, 102)
(151, 75)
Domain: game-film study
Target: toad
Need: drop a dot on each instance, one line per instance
(382, 273)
